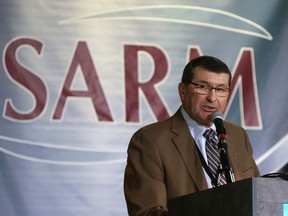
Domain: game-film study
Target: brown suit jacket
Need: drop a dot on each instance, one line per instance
(163, 163)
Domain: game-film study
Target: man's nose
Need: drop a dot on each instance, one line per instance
(212, 95)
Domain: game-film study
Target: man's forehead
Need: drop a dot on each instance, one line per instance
(210, 76)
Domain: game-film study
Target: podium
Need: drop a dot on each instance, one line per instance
(249, 197)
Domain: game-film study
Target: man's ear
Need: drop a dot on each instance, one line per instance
(181, 90)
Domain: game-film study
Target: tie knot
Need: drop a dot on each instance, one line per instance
(209, 134)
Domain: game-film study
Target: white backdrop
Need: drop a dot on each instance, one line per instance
(78, 78)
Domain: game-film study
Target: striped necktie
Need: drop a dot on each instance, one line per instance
(213, 156)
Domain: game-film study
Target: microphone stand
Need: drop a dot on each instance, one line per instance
(222, 145)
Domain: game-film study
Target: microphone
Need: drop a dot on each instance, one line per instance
(217, 118)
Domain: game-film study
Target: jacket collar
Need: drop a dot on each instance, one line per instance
(188, 151)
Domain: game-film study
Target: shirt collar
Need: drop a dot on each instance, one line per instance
(195, 128)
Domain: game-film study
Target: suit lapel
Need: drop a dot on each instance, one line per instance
(187, 148)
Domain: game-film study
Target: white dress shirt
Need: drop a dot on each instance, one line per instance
(197, 132)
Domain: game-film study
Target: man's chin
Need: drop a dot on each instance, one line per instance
(206, 121)
(207, 115)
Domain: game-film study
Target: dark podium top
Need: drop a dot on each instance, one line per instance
(249, 197)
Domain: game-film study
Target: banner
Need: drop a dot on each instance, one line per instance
(78, 78)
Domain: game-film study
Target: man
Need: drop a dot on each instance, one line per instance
(164, 158)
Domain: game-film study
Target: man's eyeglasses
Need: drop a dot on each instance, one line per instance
(205, 89)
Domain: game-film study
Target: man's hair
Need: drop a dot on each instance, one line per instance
(210, 63)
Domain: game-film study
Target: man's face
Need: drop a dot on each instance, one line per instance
(199, 106)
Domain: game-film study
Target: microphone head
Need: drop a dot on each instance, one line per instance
(217, 115)
(217, 118)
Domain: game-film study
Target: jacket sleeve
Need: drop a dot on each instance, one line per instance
(144, 187)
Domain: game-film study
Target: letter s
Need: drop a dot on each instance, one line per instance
(25, 78)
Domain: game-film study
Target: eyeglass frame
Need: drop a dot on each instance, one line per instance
(210, 88)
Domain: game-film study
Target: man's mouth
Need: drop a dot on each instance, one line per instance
(209, 109)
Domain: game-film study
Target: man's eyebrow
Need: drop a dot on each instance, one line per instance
(207, 83)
